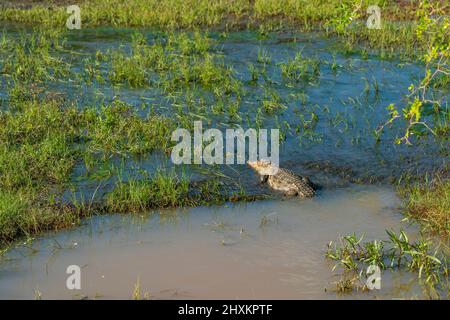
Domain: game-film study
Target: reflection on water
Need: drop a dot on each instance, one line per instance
(266, 249)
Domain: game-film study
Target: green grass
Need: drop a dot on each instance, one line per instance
(137, 195)
(42, 140)
(429, 203)
(117, 129)
(353, 256)
(192, 13)
(272, 102)
(177, 61)
(33, 57)
(13, 208)
(36, 145)
(167, 189)
(128, 70)
(300, 68)
(26, 213)
(330, 16)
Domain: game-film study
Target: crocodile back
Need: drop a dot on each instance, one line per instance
(304, 187)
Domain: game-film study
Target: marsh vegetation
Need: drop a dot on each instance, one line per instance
(86, 116)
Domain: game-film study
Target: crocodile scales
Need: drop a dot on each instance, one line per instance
(283, 179)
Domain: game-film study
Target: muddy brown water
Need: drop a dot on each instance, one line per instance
(211, 252)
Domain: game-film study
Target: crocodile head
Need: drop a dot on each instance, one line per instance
(263, 167)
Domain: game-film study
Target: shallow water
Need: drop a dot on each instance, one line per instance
(211, 252)
(223, 252)
(344, 100)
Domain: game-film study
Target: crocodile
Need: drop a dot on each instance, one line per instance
(283, 179)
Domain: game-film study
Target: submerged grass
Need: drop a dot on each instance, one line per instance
(33, 57)
(301, 69)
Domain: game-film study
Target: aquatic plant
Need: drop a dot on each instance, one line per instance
(128, 70)
(353, 255)
(263, 56)
(118, 129)
(199, 43)
(137, 292)
(301, 68)
(426, 111)
(178, 61)
(272, 101)
(34, 57)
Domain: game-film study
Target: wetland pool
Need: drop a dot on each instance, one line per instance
(268, 249)
(222, 252)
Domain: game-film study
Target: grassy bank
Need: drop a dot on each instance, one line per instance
(345, 18)
(40, 144)
(429, 203)
(42, 141)
(202, 13)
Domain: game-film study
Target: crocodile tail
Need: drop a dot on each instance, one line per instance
(305, 188)
(306, 191)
